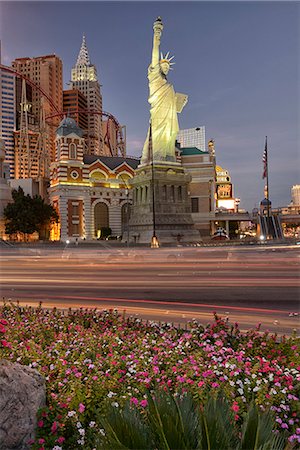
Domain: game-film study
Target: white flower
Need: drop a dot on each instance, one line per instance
(257, 388)
(101, 431)
(81, 431)
(78, 425)
(80, 441)
(92, 424)
(71, 413)
(240, 391)
(116, 404)
(57, 447)
(231, 383)
(52, 366)
(110, 394)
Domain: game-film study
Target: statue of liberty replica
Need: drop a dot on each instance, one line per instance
(161, 206)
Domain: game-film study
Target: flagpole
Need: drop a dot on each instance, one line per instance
(154, 240)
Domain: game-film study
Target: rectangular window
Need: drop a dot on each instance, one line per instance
(195, 204)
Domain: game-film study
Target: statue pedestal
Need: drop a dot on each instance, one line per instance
(172, 210)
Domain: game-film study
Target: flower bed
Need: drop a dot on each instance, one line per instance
(92, 359)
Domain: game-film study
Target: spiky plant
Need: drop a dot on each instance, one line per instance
(178, 422)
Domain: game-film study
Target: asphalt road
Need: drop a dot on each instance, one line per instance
(247, 284)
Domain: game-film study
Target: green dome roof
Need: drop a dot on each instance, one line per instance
(68, 126)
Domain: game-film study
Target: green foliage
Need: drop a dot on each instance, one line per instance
(179, 422)
(126, 429)
(25, 214)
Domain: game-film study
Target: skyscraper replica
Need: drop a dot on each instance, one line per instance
(31, 148)
(161, 210)
(84, 79)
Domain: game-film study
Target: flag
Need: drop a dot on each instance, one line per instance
(265, 161)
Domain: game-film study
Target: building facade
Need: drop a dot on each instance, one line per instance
(73, 101)
(46, 72)
(192, 138)
(295, 191)
(201, 167)
(84, 79)
(5, 190)
(8, 116)
(224, 190)
(90, 192)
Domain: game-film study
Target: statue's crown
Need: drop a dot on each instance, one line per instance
(166, 59)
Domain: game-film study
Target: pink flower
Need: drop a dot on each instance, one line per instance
(40, 423)
(215, 385)
(60, 440)
(219, 343)
(41, 441)
(134, 400)
(5, 343)
(144, 403)
(78, 374)
(54, 427)
(81, 408)
(235, 407)
(201, 383)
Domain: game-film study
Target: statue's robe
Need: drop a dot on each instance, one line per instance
(165, 104)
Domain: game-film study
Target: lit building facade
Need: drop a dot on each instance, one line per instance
(224, 190)
(192, 138)
(201, 166)
(295, 191)
(88, 191)
(8, 116)
(46, 72)
(84, 79)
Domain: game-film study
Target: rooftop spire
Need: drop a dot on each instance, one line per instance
(83, 56)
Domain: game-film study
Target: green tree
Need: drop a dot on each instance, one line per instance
(26, 214)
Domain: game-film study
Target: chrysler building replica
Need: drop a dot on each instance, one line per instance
(84, 79)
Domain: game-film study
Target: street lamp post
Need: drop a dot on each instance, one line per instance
(154, 240)
(127, 214)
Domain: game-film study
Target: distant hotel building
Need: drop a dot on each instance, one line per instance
(192, 138)
(295, 191)
(84, 79)
(74, 100)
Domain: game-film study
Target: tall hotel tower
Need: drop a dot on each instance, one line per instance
(46, 72)
(84, 79)
(7, 115)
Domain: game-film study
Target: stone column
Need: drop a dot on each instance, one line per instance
(63, 210)
(89, 226)
(115, 218)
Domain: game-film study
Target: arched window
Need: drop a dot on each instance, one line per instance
(101, 218)
(72, 151)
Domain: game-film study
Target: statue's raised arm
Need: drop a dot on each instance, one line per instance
(157, 31)
(165, 104)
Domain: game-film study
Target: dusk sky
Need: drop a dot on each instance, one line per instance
(237, 61)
